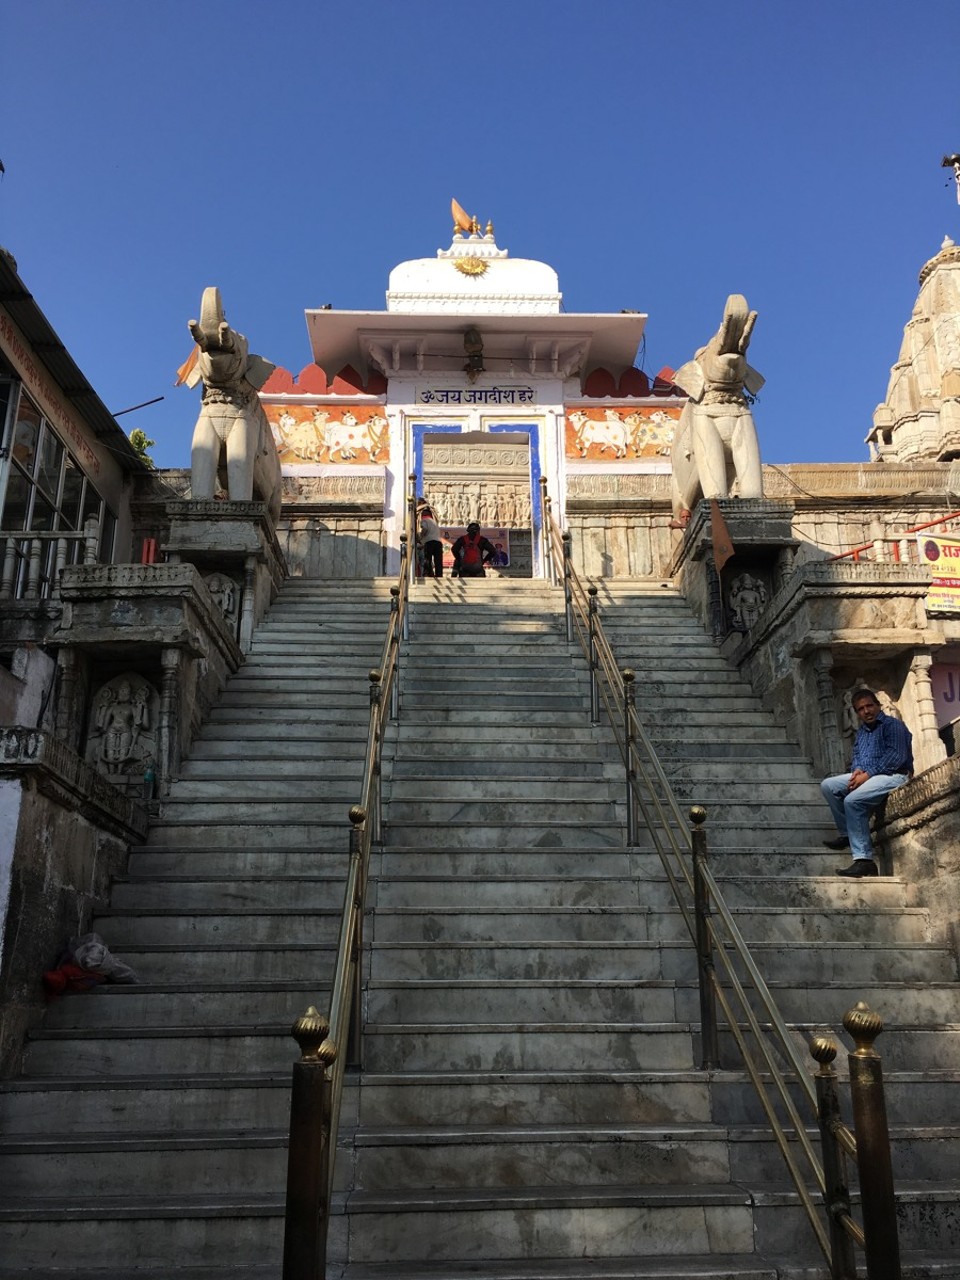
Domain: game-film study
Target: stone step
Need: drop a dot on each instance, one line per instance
(435, 762)
(144, 1164)
(852, 961)
(301, 893)
(213, 834)
(238, 732)
(210, 963)
(405, 833)
(278, 809)
(719, 796)
(522, 787)
(629, 924)
(300, 782)
(163, 1051)
(637, 1001)
(187, 1104)
(257, 761)
(510, 1046)
(254, 926)
(194, 1005)
(635, 1267)
(564, 1155)
(209, 1230)
(493, 812)
(513, 1223)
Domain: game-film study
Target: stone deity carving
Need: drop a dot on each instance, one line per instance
(232, 436)
(123, 726)
(225, 593)
(747, 597)
(716, 453)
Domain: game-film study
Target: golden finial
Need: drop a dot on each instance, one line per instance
(490, 229)
(310, 1032)
(475, 225)
(823, 1049)
(864, 1026)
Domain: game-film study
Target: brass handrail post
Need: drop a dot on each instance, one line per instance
(709, 1045)
(629, 742)
(594, 685)
(310, 1154)
(567, 586)
(881, 1247)
(355, 1030)
(546, 530)
(376, 692)
(404, 566)
(412, 525)
(395, 646)
(843, 1264)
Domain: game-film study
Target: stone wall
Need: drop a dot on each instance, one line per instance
(64, 833)
(919, 838)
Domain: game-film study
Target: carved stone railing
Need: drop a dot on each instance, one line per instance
(60, 773)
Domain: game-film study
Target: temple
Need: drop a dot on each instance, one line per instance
(226, 688)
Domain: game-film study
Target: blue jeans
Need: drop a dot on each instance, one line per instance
(851, 809)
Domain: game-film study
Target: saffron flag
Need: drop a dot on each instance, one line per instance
(461, 219)
(183, 373)
(720, 538)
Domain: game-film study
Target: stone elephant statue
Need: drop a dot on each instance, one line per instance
(232, 437)
(716, 453)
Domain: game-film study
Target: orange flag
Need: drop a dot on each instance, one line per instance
(720, 538)
(461, 219)
(183, 373)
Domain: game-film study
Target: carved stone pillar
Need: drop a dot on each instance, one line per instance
(832, 759)
(68, 713)
(248, 618)
(169, 735)
(928, 746)
(784, 567)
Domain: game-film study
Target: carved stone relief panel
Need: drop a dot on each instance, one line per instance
(226, 592)
(746, 597)
(122, 730)
(492, 504)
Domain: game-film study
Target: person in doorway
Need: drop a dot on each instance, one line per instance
(882, 761)
(472, 552)
(432, 544)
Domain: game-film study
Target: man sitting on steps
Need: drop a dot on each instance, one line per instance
(882, 761)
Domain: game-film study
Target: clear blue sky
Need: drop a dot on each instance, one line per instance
(658, 153)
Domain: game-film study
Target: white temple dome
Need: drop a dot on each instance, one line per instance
(473, 277)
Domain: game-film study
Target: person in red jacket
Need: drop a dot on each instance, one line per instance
(472, 552)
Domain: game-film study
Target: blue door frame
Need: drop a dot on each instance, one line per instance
(530, 429)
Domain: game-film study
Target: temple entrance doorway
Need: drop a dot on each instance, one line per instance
(484, 476)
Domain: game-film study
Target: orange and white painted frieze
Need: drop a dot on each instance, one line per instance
(329, 433)
(616, 433)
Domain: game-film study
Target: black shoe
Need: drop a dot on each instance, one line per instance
(860, 867)
(840, 842)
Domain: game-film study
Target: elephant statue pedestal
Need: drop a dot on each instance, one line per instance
(730, 602)
(236, 542)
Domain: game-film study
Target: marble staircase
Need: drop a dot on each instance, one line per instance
(531, 1104)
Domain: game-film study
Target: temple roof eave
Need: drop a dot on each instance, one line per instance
(397, 343)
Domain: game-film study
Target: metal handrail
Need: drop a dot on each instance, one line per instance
(330, 1044)
(854, 553)
(683, 856)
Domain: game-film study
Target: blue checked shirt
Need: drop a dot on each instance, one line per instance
(886, 748)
